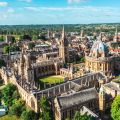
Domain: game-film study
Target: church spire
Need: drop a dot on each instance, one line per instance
(48, 34)
(116, 34)
(82, 33)
(63, 49)
(63, 33)
(100, 36)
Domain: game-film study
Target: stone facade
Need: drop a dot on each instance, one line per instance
(99, 59)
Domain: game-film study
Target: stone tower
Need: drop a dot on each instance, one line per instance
(48, 34)
(101, 101)
(21, 66)
(29, 72)
(63, 48)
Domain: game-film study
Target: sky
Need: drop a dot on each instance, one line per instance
(23, 12)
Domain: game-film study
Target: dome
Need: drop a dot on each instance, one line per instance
(99, 49)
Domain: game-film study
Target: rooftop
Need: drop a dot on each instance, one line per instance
(77, 98)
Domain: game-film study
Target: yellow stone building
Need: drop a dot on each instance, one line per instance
(99, 59)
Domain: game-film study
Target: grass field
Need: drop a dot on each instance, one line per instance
(52, 79)
(7, 117)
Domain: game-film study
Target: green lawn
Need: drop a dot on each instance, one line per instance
(1, 87)
(8, 117)
(52, 79)
(117, 79)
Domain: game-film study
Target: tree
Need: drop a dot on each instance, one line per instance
(78, 116)
(82, 59)
(115, 108)
(15, 97)
(13, 40)
(1, 38)
(31, 45)
(26, 37)
(0, 97)
(6, 49)
(7, 93)
(17, 108)
(34, 37)
(2, 63)
(29, 115)
(45, 108)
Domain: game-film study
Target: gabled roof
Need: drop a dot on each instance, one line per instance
(77, 98)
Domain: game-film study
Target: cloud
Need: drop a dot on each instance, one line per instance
(81, 14)
(3, 4)
(82, 8)
(6, 13)
(26, 1)
(10, 10)
(60, 15)
(75, 1)
(38, 9)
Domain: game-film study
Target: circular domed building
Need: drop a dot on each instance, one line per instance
(99, 59)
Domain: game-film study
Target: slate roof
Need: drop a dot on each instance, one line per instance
(77, 98)
(113, 86)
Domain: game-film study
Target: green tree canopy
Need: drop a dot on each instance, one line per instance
(18, 107)
(115, 109)
(7, 93)
(2, 38)
(26, 37)
(13, 40)
(45, 107)
(31, 45)
(82, 59)
(6, 49)
(29, 115)
(2, 63)
(13, 48)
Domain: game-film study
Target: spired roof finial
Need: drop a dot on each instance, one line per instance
(100, 36)
(116, 32)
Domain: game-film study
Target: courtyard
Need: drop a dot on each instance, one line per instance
(52, 79)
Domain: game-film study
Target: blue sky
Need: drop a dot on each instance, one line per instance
(59, 11)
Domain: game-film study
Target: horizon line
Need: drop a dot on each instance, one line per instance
(58, 24)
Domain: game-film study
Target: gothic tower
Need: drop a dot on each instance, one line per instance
(21, 65)
(63, 48)
(29, 72)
